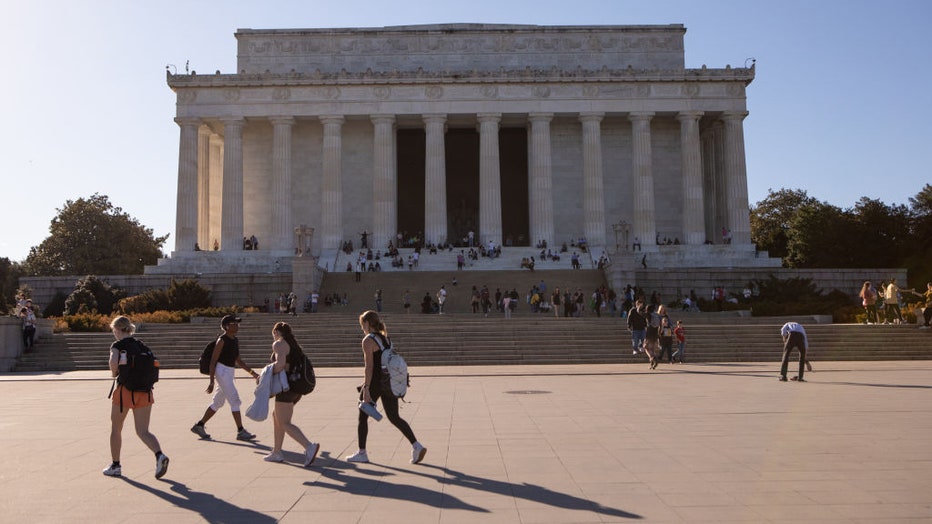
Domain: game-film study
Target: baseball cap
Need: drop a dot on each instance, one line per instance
(230, 318)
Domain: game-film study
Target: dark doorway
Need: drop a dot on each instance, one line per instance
(512, 144)
(462, 154)
(411, 145)
(462, 170)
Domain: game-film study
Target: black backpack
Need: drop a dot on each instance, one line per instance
(141, 370)
(203, 363)
(301, 378)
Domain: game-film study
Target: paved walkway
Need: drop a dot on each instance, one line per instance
(606, 443)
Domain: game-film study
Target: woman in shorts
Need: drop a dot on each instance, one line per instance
(286, 351)
(124, 400)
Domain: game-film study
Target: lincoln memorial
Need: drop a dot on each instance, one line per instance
(521, 134)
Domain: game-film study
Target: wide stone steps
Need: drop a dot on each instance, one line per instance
(332, 340)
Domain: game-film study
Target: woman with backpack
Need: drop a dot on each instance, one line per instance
(375, 339)
(285, 353)
(121, 352)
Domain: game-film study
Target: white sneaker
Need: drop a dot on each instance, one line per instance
(113, 471)
(275, 456)
(161, 466)
(310, 453)
(417, 453)
(359, 456)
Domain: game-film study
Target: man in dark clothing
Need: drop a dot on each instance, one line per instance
(637, 325)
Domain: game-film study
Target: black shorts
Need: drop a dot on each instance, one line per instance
(288, 397)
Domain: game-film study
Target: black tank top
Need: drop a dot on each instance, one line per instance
(230, 351)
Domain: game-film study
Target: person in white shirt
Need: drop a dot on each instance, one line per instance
(794, 336)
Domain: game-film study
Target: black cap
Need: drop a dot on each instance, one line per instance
(228, 319)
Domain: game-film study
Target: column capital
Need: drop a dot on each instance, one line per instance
(684, 116)
(489, 117)
(434, 118)
(282, 120)
(187, 121)
(540, 117)
(332, 119)
(591, 116)
(233, 121)
(382, 119)
(641, 116)
(734, 115)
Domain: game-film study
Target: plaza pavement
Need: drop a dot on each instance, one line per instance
(508, 444)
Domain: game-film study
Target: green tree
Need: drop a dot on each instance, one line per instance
(9, 276)
(917, 260)
(91, 236)
(819, 237)
(770, 219)
(881, 233)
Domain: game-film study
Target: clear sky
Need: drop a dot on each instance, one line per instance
(841, 105)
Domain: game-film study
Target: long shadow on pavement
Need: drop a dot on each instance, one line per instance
(211, 508)
(377, 488)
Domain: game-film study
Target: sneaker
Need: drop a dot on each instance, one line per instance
(808, 366)
(634, 352)
(359, 456)
(244, 435)
(275, 456)
(782, 378)
(198, 429)
(310, 453)
(417, 452)
(113, 471)
(797, 379)
(161, 466)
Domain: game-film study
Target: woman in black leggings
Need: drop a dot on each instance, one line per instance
(376, 339)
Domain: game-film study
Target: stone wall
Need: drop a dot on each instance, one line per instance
(11, 339)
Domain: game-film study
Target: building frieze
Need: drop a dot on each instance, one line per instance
(420, 76)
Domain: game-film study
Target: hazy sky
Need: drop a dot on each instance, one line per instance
(840, 106)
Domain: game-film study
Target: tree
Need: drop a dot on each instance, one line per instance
(819, 237)
(91, 236)
(771, 217)
(917, 262)
(881, 233)
(9, 276)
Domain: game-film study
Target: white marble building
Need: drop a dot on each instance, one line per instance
(521, 133)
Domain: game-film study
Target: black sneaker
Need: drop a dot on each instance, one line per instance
(782, 378)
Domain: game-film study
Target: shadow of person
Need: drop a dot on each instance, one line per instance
(373, 485)
(210, 508)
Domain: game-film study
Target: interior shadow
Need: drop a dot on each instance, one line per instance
(209, 507)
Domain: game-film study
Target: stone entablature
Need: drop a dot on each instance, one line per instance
(460, 47)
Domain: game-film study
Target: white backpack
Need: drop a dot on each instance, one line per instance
(394, 368)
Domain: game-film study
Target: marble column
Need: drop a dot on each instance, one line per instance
(385, 181)
(593, 194)
(282, 229)
(186, 210)
(435, 180)
(203, 187)
(490, 179)
(540, 180)
(231, 221)
(215, 170)
(693, 206)
(645, 225)
(736, 178)
(331, 212)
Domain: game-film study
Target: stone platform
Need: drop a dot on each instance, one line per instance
(506, 444)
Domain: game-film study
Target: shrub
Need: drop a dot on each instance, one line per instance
(187, 294)
(92, 294)
(87, 321)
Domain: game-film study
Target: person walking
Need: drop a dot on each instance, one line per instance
(892, 303)
(637, 324)
(666, 339)
(375, 339)
(680, 333)
(794, 336)
(442, 297)
(869, 301)
(285, 353)
(223, 364)
(139, 401)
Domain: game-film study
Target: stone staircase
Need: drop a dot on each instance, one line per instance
(332, 338)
